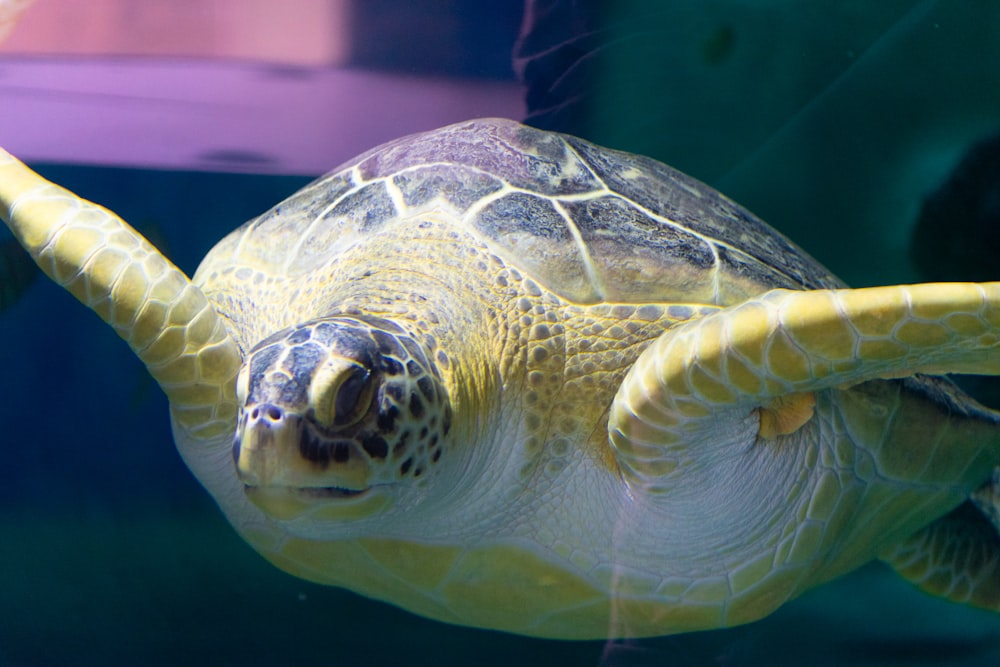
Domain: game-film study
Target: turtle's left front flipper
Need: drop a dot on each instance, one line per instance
(112, 269)
(767, 357)
(755, 426)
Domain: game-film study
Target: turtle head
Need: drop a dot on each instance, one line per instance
(338, 418)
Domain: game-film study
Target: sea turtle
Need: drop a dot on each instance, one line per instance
(506, 378)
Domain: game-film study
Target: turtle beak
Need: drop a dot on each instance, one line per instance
(280, 479)
(266, 442)
(274, 448)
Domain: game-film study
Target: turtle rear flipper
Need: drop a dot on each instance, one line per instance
(956, 557)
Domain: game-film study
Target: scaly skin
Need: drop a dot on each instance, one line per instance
(148, 301)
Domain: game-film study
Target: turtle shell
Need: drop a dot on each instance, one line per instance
(588, 223)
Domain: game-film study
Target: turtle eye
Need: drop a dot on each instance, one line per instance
(353, 397)
(340, 393)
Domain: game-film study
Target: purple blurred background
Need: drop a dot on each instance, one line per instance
(246, 85)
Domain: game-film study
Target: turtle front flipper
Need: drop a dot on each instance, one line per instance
(768, 355)
(754, 429)
(113, 270)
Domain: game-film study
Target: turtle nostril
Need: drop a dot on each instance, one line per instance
(267, 413)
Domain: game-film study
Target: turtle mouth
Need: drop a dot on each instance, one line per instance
(311, 492)
(318, 503)
(331, 492)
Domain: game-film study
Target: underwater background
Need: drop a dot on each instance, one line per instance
(861, 130)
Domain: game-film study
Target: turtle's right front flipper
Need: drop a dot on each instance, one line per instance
(113, 270)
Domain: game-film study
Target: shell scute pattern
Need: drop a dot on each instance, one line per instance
(365, 209)
(526, 158)
(632, 253)
(557, 192)
(684, 201)
(292, 224)
(589, 224)
(535, 236)
(519, 214)
(747, 270)
(460, 186)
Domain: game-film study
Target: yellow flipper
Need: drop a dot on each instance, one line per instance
(113, 270)
(750, 357)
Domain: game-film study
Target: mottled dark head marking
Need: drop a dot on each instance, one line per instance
(339, 404)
